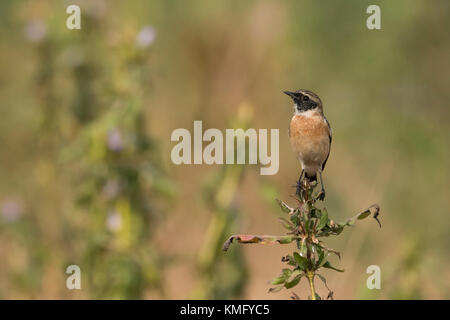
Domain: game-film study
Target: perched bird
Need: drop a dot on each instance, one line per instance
(310, 135)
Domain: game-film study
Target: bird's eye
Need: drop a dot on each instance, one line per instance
(305, 98)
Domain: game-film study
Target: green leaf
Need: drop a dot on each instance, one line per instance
(301, 261)
(315, 213)
(293, 283)
(294, 218)
(294, 274)
(323, 220)
(286, 239)
(278, 280)
(338, 230)
(364, 215)
(303, 246)
(321, 260)
(329, 266)
(294, 279)
(285, 274)
(373, 209)
(307, 224)
(311, 225)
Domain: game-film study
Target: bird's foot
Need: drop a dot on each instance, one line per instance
(321, 195)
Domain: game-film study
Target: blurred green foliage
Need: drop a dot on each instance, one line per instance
(223, 277)
(88, 113)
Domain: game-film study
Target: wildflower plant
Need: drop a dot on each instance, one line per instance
(121, 186)
(307, 226)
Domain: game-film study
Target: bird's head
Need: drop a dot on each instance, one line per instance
(305, 100)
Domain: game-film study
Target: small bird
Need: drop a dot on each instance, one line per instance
(310, 135)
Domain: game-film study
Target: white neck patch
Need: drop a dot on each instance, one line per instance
(308, 113)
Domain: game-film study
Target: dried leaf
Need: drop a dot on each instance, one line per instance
(337, 253)
(285, 223)
(284, 207)
(275, 289)
(289, 259)
(295, 296)
(264, 239)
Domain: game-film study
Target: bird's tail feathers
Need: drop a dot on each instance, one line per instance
(311, 178)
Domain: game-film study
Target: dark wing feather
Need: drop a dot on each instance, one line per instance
(329, 136)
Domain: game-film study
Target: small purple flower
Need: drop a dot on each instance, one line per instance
(146, 37)
(115, 140)
(35, 31)
(114, 221)
(11, 211)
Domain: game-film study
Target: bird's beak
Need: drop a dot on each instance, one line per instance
(290, 94)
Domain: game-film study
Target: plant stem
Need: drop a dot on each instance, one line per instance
(310, 275)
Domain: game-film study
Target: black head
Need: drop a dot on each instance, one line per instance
(305, 100)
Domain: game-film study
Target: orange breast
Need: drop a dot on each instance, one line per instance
(309, 136)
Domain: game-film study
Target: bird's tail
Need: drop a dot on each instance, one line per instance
(311, 178)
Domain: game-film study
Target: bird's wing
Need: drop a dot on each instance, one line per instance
(330, 137)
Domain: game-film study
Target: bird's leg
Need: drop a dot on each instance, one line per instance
(321, 195)
(299, 183)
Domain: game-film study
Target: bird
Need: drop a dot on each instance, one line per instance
(310, 136)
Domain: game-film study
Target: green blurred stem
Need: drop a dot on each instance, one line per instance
(310, 275)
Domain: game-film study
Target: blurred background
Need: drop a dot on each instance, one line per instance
(86, 119)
